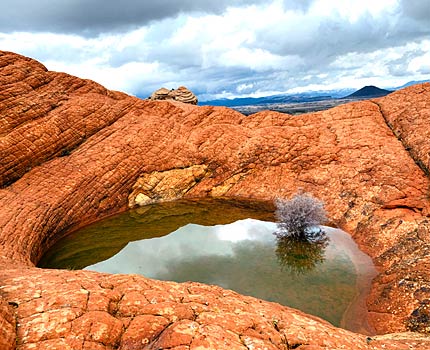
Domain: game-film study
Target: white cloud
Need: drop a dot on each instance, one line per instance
(244, 87)
(352, 10)
(127, 77)
(256, 49)
(420, 64)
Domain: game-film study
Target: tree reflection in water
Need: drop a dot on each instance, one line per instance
(301, 256)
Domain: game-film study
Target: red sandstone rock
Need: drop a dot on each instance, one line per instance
(407, 112)
(7, 326)
(73, 152)
(39, 123)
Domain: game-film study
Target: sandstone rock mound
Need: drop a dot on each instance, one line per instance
(72, 152)
(181, 94)
(161, 94)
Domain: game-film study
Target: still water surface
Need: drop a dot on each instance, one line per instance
(230, 244)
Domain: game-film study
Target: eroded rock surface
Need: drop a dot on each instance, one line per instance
(167, 185)
(73, 152)
(7, 325)
(181, 94)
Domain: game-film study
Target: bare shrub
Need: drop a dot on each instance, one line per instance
(299, 217)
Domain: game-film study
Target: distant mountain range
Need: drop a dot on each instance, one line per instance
(310, 96)
(245, 101)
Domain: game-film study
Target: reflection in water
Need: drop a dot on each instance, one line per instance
(301, 256)
(244, 256)
(105, 238)
(160, 242)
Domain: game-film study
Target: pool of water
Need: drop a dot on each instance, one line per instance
(230, 244)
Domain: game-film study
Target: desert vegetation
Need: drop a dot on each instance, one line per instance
(299, 218)
(301, 242)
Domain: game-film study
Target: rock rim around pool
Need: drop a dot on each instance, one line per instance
(71, 152)
(223, 243)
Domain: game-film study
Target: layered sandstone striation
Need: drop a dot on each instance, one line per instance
(181, 94)
(73, 152)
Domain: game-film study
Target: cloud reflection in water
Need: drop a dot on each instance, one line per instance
(244, 256)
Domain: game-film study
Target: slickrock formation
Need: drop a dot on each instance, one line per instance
(181, 94)
(72, 152)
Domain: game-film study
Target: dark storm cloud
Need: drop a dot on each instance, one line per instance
(417, 9)
(274, 46)
(91, 17)
(321, 42)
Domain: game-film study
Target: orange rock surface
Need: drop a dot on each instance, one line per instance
(72, 152)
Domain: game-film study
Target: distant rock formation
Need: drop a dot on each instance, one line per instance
(72, 152)
(369, 92)
(161, 94)
(181, 94)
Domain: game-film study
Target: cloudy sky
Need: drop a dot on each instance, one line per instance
(224, 48)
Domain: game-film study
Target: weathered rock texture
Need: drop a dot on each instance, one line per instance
(73, 152)
(181, 94)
